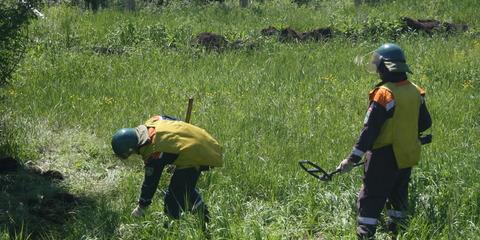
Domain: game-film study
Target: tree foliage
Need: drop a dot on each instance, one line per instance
(14, 16)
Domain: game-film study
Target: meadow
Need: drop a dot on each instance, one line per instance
(269, 106)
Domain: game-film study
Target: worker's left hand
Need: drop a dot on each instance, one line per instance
(345, 165)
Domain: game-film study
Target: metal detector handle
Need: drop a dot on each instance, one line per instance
(339, 170)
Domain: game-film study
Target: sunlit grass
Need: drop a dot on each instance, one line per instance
(269, 107)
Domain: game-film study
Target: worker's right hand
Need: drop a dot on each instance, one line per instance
(345, 165)
(139, 211)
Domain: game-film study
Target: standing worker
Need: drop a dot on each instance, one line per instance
(396, 117)
(163, 140)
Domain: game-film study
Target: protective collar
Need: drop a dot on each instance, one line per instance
(142, 135)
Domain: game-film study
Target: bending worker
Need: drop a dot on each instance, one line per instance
(396, 117)
(161, 141)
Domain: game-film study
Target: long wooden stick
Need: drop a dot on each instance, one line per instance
(189, 110)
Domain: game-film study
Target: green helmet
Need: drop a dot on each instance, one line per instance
(392, 56)
(391, 52)
(125, 142)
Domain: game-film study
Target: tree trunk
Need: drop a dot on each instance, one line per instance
(244, 3)
(130, 5)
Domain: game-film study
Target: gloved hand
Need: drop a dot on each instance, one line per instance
(345, 165)
(139, 211)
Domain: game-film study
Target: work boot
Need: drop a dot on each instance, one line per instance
(201, 210)
(366, 232)
(204, 214)
(394, 225)
(168, 224)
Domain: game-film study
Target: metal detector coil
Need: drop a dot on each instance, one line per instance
(316, 171)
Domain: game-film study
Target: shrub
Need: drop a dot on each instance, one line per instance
(14, 16)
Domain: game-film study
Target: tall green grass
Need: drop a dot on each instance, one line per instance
(269, 107)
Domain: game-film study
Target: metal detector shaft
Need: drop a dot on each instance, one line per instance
(318, 172)
(339, 170)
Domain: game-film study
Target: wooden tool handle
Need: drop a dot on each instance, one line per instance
(189, 110)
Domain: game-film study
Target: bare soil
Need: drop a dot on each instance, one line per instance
(32, 197)
(210, 41)
(291, 35)
(431, 25)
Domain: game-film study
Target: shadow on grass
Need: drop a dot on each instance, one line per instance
(34, 204)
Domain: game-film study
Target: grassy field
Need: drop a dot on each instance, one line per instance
(269, 106)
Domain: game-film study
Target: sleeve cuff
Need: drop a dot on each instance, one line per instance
(354, 158)
(357, 152)
(356, 155)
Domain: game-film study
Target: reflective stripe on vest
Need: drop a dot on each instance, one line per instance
(401, 131)
(194, 146)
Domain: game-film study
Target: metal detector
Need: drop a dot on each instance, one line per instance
(317, 172)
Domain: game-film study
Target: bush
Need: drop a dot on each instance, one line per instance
(14, 16)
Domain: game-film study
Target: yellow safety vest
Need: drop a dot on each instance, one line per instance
(194, 146)
(401, 131)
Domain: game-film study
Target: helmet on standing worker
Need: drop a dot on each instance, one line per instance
(392, 57)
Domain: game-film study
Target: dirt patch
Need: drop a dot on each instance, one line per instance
(216, 42)
(241, 44)
(269, 31)
(32, 198)
(288, 35)
(430, 25)
(291, 35)
(318, 34)
(53, 175)
(210, 41)
(48, 174)
(53, 208)
(108, 50)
